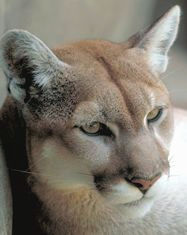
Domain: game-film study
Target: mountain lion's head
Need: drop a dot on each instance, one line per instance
(98, 122)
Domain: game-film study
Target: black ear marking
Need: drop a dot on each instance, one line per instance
(27, 63)
(25, 72)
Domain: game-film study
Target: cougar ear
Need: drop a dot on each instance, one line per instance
(27, 61)
(158, 38)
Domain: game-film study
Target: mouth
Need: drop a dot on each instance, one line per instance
(126, 197)
(117, 190)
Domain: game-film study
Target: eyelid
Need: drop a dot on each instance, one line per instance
(79, 123)
(157, 117)
(163, 109)
(164, 106)
(104, 127)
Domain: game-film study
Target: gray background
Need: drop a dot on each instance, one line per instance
(61, 21)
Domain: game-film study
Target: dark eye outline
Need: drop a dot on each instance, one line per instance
(157, 117)
(103, 131)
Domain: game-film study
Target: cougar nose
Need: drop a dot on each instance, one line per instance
(144, 184)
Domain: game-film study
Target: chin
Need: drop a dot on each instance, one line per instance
(136, 209)
(131, 202)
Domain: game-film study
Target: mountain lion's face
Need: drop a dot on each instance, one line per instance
(98, 116)
(113, 134)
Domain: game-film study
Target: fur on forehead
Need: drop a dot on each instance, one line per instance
(33, 70)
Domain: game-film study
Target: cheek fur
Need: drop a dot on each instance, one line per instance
(57, 167)
(92, 150)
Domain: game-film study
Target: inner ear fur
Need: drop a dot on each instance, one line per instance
(157, 39)
(26, 60)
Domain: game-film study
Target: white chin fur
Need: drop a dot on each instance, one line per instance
(130, 199)
(136, 209)
(123, 193)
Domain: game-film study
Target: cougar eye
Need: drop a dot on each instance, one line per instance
(154, 115)
(96, 129)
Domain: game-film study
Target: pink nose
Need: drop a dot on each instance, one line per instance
(143, 184)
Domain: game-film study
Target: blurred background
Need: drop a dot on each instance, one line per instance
(61, 21)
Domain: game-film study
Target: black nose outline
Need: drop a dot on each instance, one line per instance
(143, 184)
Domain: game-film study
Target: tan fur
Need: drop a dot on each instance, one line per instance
(57, 92)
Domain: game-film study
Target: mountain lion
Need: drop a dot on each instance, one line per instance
(86, 131)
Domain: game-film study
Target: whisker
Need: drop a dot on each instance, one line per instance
(55, 181)
(37, 161)
(32, 172)
(21, 171)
